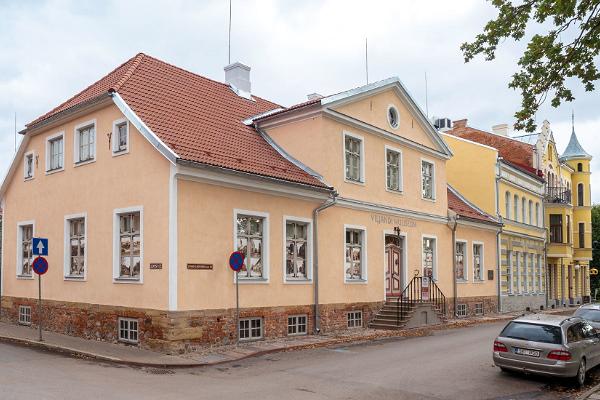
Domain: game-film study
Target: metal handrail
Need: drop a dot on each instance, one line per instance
(557, 194)
(412, 295)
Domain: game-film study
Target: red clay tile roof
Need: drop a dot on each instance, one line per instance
(198, 118)
(516, 153)
(465, 210)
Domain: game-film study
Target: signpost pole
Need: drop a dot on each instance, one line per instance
(40, 306)
(237, 306)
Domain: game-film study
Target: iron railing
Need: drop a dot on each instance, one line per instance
(413, 294)
(557, 194)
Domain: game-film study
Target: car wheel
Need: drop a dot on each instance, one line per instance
(581, 372)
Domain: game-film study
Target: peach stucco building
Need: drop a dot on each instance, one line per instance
(147, 180)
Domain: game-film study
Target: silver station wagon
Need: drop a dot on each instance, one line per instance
(550, 345)
(591, 313)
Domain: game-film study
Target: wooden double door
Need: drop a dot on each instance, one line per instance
(393, 265)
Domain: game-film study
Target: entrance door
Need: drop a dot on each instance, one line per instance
(393, 267)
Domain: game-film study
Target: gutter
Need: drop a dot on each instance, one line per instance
(317, 317)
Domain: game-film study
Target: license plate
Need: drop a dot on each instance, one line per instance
(527, 352)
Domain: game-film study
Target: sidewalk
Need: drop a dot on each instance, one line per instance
(130, 355)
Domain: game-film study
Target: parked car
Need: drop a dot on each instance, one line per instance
(591, 313)
(550, 345)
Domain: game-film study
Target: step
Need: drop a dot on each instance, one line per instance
(378, 325)
(391, 317)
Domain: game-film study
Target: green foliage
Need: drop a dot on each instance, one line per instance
(547, 62)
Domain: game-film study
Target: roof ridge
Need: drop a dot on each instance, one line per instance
(491, 133)
(137, 60)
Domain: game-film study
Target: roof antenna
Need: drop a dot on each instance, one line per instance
(229, 41)
(426, 98)
(367, 59)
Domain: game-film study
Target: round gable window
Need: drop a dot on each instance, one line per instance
(393, 117)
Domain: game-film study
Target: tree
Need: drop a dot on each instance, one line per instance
(548, 62)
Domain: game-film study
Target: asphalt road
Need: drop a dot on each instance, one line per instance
(452, 364)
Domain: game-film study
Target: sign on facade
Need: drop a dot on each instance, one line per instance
(40, 246)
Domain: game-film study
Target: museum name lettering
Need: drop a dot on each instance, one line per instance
(391, 220)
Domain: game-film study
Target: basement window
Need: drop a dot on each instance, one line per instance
(297, 325)
(461, 310)
(355, 319)
(25, 315)
(251, 328)
(478, 308)
(128, 330)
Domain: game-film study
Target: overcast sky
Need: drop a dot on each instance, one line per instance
(49, 50)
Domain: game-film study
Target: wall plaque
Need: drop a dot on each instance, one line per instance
(199, 266)
(490, 274)
(155, 265)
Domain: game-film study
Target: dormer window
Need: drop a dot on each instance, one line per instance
(85, 142)
(393, 117)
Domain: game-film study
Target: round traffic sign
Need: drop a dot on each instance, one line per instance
(40, 265)
(236, 260)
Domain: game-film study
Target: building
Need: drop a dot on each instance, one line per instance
(153, 175)
(496, 173)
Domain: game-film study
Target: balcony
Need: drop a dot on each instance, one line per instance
(557, 195)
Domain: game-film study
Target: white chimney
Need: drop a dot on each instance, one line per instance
(314, 96)
(237, 75)
(500, 130)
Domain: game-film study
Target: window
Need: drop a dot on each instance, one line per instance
(428, 257)
(28, 166)
(25, 315)
(540, 274)
(76, 246)
(478, 308)
(556, 235)
(128, 330)
(354, 319)
(579, 167)
(85, 143)
(393, 117)
(55, 153)
(516, 206)
(524, 210)
(427, 180)
(25, 251)
(525, 272)
(478, 262)
(537, 214)
(120, 136)
(393, 160)
(461, 310)
(297, 251)
(355, 257)
(461, 273)
(251, 329)
(297, 325)
(507, 204)
(518, 270)
(582, 235)
(530, 212)
(130, 245)
(568, 238)
(250, 240)
(580, 194)
(509, 272)
(353, 148)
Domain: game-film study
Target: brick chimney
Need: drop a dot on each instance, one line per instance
(461, 123)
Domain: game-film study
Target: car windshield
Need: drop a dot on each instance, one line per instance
(589, 314)
(533, 332)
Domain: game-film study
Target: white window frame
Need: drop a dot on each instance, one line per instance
(507, 204)
(400, 169)
(530, 210)
(309, 250)
(26, 320)
(387, 116)
(76, 156)
(352, 319)
(67, 247)
(296, 325)
(462, 310)
(476, 307)
(266, 245)
(128, 330)
(525, 271)
(435, 255)
(482, 260)
(362, 179)
(533, 277)
(465, 260)
(249, 320)
(363, 251)
(516, 201)
(19, 257)
(117, 245)
(541, 265)
(49, 152)
(523, 210)
(518, 266)
(25, 158)
(537, 214)
(433, 179)
(115, 137)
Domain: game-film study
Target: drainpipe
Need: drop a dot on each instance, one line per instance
(316, 211)
(452, 224)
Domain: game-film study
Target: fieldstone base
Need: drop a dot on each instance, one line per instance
(176, 331)
(522, 302)
(475, 306)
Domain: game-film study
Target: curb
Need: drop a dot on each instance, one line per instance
(590, 392)
(394, 335)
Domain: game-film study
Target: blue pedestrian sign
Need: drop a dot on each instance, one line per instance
(40, 265)
(40, 247)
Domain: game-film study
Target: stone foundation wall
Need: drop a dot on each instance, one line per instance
(179, 331)
(534, 302)
(490, 305)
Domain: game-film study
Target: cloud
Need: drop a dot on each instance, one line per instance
(53, 49)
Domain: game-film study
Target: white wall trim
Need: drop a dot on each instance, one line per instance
(401, 167)
(384, 209)
(365, 257)
(173, 232)
(116, 244)
(309, 250)
(266, 242)
(19, 253)
(47, 146)
(362, 172)
(115, 138)
(67, 248)
(76, 142)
